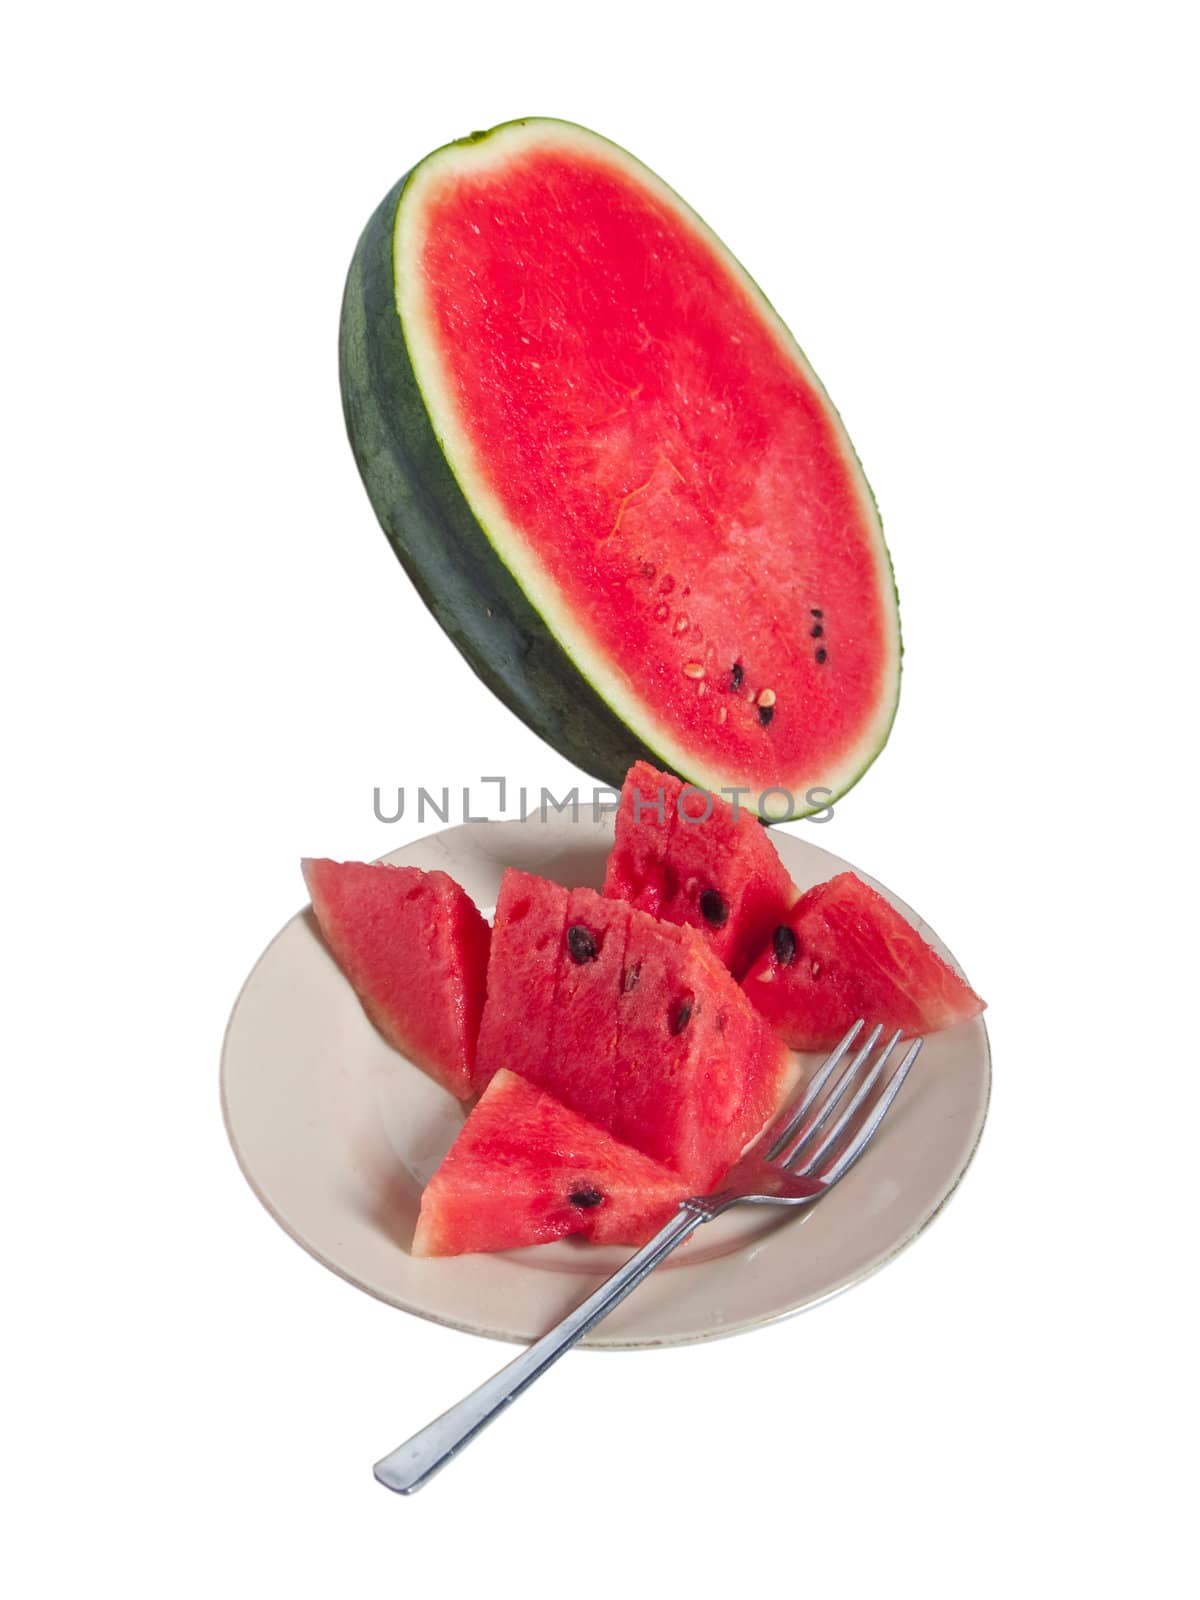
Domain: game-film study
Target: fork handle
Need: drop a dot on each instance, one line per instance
(411, 1465)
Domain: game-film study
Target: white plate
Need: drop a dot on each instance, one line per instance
(337, 1134)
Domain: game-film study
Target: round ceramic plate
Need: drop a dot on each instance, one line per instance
(337, 1135)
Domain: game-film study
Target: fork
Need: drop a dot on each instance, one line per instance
(796, 1160)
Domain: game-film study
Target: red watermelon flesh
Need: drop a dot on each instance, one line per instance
(645, 822)
(846, 952)
(584, 1040)
(684, 855)
(527, 947)
(652, 457)
(415, 948)
(652, 1039)
(698, 1071)
(525, 1170)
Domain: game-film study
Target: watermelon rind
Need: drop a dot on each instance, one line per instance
(463, 554)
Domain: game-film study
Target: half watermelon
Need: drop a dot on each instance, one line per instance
(613, 475)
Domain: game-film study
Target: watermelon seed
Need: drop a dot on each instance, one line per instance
(816, 631)
(681, 623)
(682, 1014)
(693, 669)
(816, 611)
(765, 714)
(722, 713)
(586, 1198)
(784, 943)
(581, 945)
(767, 975)
(714, 907)
(766, 697)
(822, 656)
(816, 969)
(632, 974)
(736, 674)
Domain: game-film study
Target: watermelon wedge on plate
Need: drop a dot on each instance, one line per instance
(415, 948)
(846, 952)
(526, 1170)
(686, 856)
(630, 1022)
(612, 474)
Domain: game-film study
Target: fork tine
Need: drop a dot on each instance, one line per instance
(871, 1126)
(792, 1120)
(831, 1139)
(831, 1099)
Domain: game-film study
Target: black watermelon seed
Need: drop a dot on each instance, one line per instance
(736, 674)
(816, 631)
(586, 1198)
(816, 612)
(822, 655)
(714, 908)
(632, 974)
(765, 713)
(784, 943)
(682, 1014)
(581, 945)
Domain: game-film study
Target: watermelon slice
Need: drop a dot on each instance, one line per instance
(685, 856)
(525, 1170)
(630, 1022)
(527, 946)
(612, 473)
(415, 948)
(846, 952)
(698, 1073)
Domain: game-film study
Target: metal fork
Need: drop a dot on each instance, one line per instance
(798, 1158)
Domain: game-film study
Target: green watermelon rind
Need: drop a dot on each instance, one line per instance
(456, 561)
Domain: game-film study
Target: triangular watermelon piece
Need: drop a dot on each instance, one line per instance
(415, 948)
(527, 950)
(699, 1072)
(682, 854)
(525, 1170)
(631, 1023)
(846, 952)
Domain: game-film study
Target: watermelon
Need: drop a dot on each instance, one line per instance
(612, 474)
(405, 938)
(684, 855)
(635, 1025)
(845, 952)
(591, 973)
(698, 1073)
(525, 1170)
(527, 943)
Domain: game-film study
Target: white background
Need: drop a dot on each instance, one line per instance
(979, 224)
